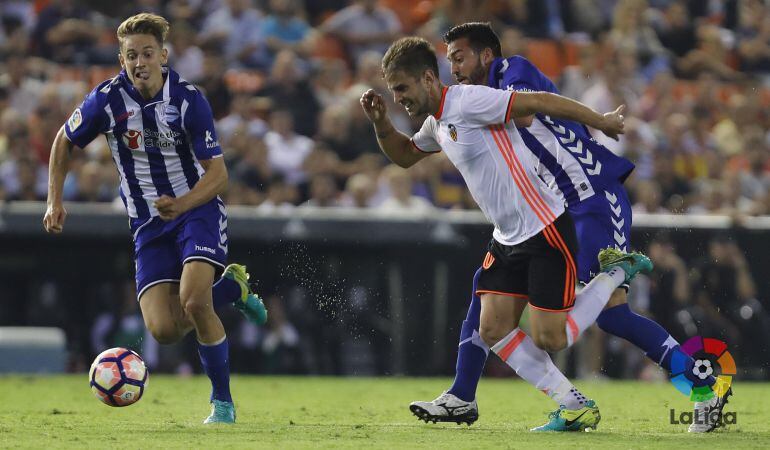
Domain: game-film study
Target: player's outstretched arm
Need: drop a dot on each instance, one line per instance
(395, 144)
(58, 164)
(528, 103)
(213, 183)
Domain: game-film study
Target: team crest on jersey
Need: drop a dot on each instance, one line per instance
(452, 132)
(75, 119)
(132, 139)
(166, 113)
(172, 113)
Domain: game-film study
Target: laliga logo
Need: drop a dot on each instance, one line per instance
(132, 139)
(708, 416)
(708, 354)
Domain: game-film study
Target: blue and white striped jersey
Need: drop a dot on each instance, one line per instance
(571, 162)
(156, 144)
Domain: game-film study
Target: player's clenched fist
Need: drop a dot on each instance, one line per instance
(169, 208)
(374, 105)
(53, 221)
(614, 123)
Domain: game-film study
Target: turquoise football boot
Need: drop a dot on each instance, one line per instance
(573, 419)
(221, 412)
(250, 305)
(631, 263)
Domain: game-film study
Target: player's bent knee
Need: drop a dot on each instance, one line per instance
(164, 333)
(550, 341)
(491, 335)
(196, 306)
(166, 337)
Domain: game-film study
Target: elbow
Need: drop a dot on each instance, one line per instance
(405, 159)
(61, 147)
(219, 173)
(523, 122)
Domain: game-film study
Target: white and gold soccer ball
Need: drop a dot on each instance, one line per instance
(118, 377)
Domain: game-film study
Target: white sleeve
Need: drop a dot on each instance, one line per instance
(482, 105)
(425, 138)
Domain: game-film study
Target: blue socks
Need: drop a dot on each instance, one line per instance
(648, 335)
(471, 353)
(225, 291)
(216, 364)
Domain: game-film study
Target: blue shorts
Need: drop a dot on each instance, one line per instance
(162, 248)
(601, 221)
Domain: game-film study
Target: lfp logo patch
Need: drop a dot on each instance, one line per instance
(708, 354)
(75, 120)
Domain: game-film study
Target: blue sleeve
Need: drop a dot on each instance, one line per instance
(89, 120)
(522, 75)
(199, 124)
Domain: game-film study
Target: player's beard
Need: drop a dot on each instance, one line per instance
(479, 74)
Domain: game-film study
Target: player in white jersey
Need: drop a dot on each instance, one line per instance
(160, 130)
(532, 251)
(577, 168)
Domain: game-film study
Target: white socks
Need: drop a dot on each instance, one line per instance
(535, 366)
(590, 302)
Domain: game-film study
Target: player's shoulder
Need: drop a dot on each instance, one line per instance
(179, 87)
(461, 101)
(519, 62)
(103, 90)
(518, 73)
(518, 67)
(458, 91)
(430, 124)
(462, 93)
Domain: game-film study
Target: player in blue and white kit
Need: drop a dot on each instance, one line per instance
(589, 178)
(160, 131)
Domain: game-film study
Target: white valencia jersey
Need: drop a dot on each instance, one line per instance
(473, 128)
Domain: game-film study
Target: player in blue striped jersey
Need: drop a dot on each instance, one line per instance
(589, 178)
(161, 133)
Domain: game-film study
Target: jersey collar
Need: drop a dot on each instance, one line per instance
(162, 95)
(441, 104)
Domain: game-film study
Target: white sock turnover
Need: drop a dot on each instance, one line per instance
(590, 302)
(534, 365)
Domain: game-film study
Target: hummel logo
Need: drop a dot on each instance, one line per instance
(202, 248)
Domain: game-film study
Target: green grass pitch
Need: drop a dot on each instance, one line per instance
(307, 412)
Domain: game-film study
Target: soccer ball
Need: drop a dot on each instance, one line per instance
(118, 377)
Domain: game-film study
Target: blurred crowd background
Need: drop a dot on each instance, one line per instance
(284, 78)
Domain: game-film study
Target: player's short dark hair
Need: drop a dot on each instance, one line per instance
(144, 23)
(480, 35)
(413, 55)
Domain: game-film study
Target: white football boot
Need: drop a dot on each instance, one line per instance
(707, 416)
(446, 408)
